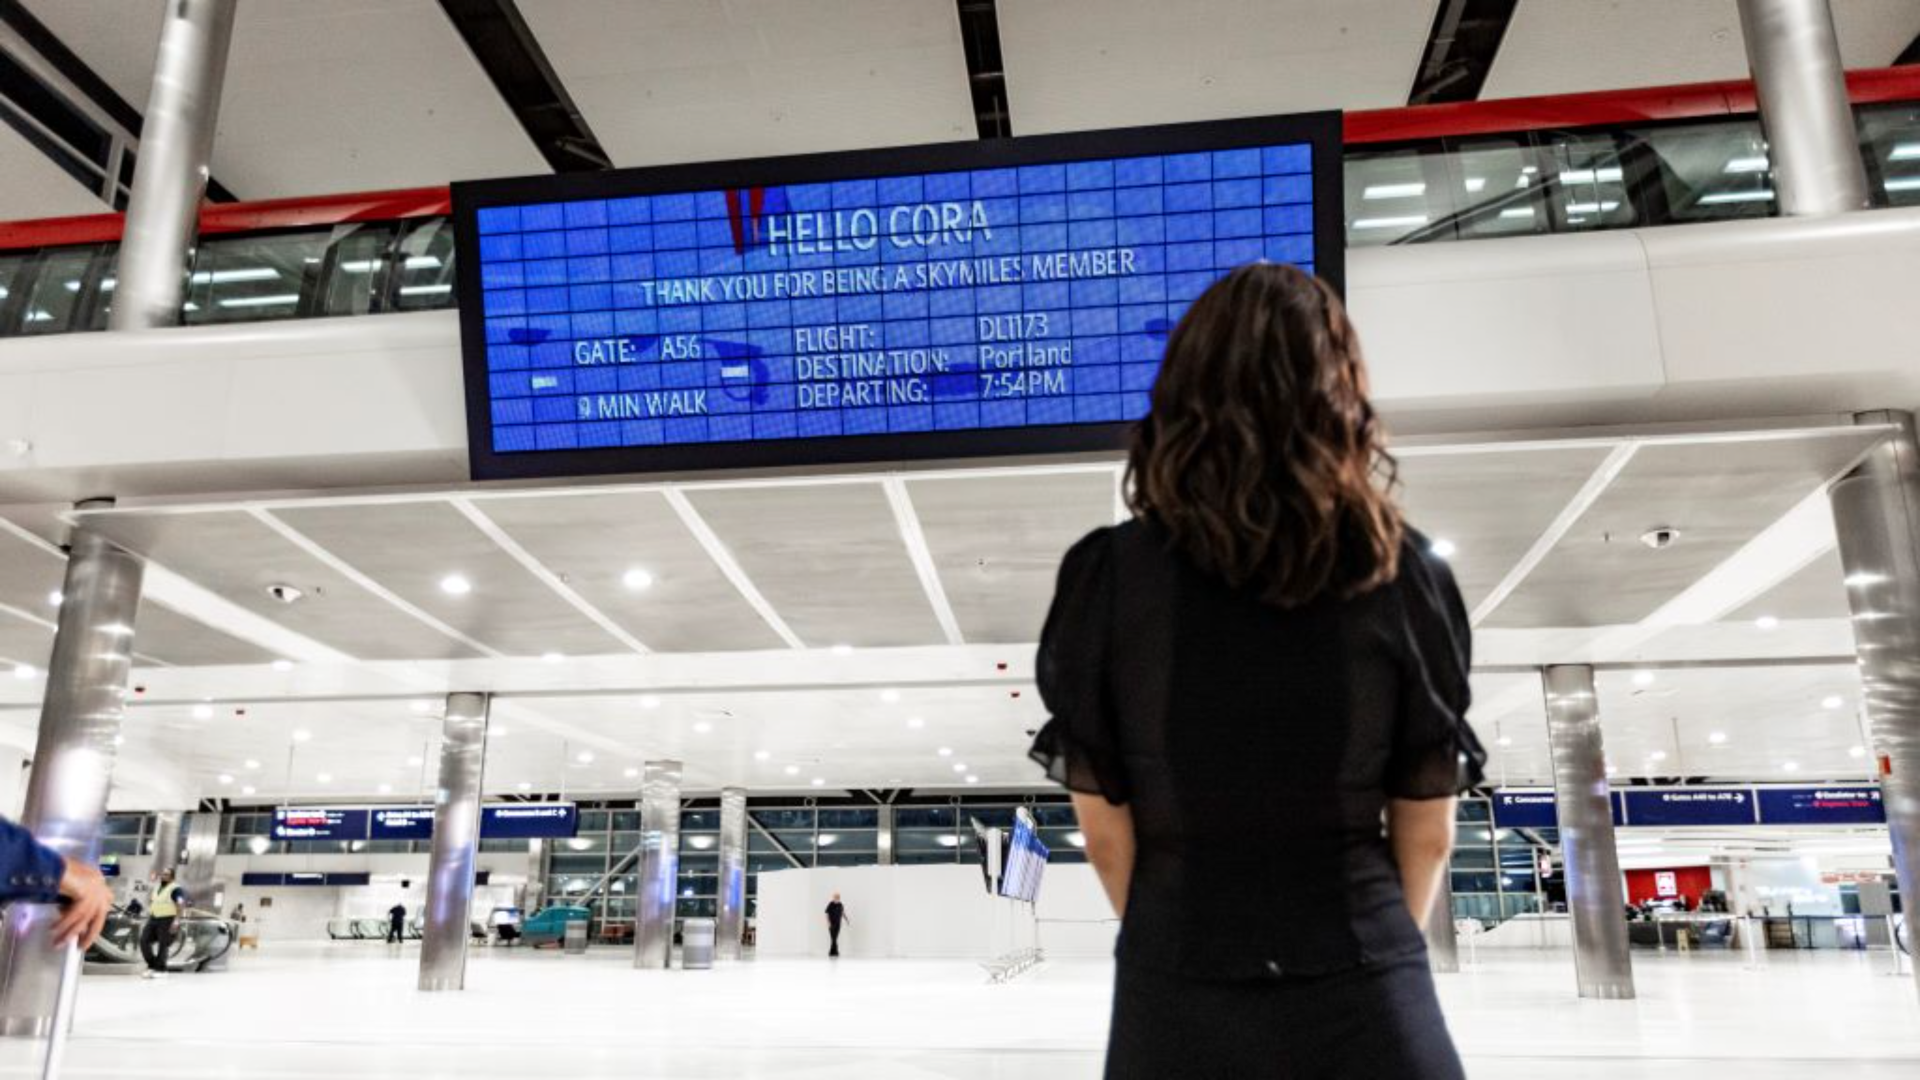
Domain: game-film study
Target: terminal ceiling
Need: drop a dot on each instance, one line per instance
(379, 94)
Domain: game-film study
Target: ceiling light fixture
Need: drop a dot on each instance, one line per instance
(1767, 622)
(455, 585)
(252, 763)
(1832, 701)
(761, 755)
(584, 757)
(973, 779)
(1443, 548)
(282, 665)
(945, 751)
(1717, 738)
(324, 778)
(25, 671)
(702, 727)
(56, 598)
(959, 766)
(842, 649)
(524, 786)
(630, 772)
(420, 708)
(248, 789)
(1657, 755)
(203, 712)
(225, 778)
(819, 781)
(1791, 766)
(1504, 740)
(1856, 751)
(792, 770)
(259, 845)
(415, 761)
(552, 657)
(916, 722)
(637, 580)
(1643, 678)
(648, 701)
(386, 789)
(890, 697)
(302, 735)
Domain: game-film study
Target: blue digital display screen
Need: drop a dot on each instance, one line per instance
(923, 302)
(1833, 805)
(1538, 810)
(320, 823)
(402, 823)
(1024, 863)
(1691, 806)
(529, 821)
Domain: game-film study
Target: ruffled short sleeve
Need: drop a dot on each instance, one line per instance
(1079, 746)
(1435, 752)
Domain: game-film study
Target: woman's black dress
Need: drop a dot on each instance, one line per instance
(1266, 932)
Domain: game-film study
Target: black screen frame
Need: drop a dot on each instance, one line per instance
(1321, 130)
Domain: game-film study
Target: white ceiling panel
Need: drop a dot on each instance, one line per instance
(36, 187)
(692, 80)
(1567, 46)
(1078, 64)
(357, 95)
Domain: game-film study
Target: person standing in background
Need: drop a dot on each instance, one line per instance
(836, 914)
(397, 924)
(156, 938)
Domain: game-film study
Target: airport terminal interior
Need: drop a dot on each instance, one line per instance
(517, 504)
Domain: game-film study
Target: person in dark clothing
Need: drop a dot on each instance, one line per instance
(156, 937)
(397, 924)
(836, 914)
(1265, 658)
(33, 873)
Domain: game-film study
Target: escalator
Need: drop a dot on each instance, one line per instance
(200, 942)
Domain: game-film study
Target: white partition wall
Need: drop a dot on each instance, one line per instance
(923, 911)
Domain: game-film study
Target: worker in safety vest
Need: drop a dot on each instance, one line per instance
(156, 938)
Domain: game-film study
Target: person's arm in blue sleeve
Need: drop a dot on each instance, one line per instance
(29, 870)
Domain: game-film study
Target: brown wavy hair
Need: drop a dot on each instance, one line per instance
(1262, 456)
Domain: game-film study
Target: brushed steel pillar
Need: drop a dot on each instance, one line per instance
(1443, 947)
(176, 148)
(886, 835)
(655, 902)
(166, 840)
(1876, 514)
(73, 762)
(456, 840)
(202, 848)
(733, 873)
(1596, 893)
(1804, 109)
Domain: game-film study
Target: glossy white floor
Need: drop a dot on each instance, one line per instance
(348, 1010)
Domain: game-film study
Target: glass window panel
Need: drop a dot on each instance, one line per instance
(425, 278)
(801, 818)
(13, 271)
(1890, 141)
(849, 819)
(923, 817)
(1473, 858)
(1471, 835)
(568, 889)
(848, 858)
(585, 842)
(757, 862)
(707, 862)
(924, 840)
(696, 909)
(121, 845)
(1390, 196)
(626, 821)
(1517, 881)
(795, 840)
(1711, 171)
(578, 864)
(617, 908)
(1059, 841)
(919, 858)
(1056, 814)
(992, 817)
(124, 825)
(503, 847)
(623, 885)
(1491, 191)
(1473, 810)
(359, 267)
(622, 843)
(699, 821)
(1484, 907)
(1515, 904)
(56, 302)
(593, 821)
(1477, 882)
(849, 839)
(249, 278)
(1585, 182)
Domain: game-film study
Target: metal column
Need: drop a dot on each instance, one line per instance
(456, 839)
(885, 836)
(176, 145)
(166, 840)
(1876, 513)
(73, 765)
(1596, 894)
(1443, 948)
(202, 847)
(1804, 108)
(733, 873)
(654, 905)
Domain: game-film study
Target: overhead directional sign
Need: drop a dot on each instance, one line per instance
(1690, 806)
(320, 823)
(529, 821)
(1535, 808)
(991, 297)
(498, 821)
(1832, 805)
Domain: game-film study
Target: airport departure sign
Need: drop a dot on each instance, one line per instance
(1001, 297)
(1829, 804)
(498, 821)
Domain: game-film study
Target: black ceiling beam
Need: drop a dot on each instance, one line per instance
(1461, 45)
(986, 72)
(88, 81)
(503, 43)
(1910, 54)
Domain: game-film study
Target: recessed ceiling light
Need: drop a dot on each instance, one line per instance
(420, 708)
(524, 786)
(203, 712)
(248, 789)
(1643, 678)
(945, 751)
(973, 779)
(792, 770)
(637, 579)
(302, 735)
(1613, 770)
(225, 778)
(959, 766)
(56, 598)
(1657, 755)
(1856, 751)
(23, 671)
(283, 665)
(842, 649)
(819, 781)
(1832, 701)
(1504, 740)
(630, 772)
(1443, 548)
(119, 740)
(762, 755)
(1791, 766)
(584, 757)
(324, 778)
(1766, 622)
(702, 727)
(891, 697)
(415, 761)
(499, 731)
(916, 722)
(552, 657)
(649, 702)
(1717, 738)
(386, 789)
(252, 763)
(455, 585)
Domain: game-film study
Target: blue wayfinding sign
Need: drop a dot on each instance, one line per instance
(1835, 805)
(320, 823)
(1525, 810)
(529, 821)
(402, 823)
(1004, 296)
(1690, 806)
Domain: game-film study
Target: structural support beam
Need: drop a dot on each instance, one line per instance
(166, 840)
(202, 848)
(1801, 84)
(1876, 514)
(1443, 947)
(659, 864)
(456, 840)
(73, 764)
(1596, 895)
(1461, 47)
(733, 873)
(163, 213)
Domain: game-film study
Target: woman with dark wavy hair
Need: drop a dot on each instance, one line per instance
(1259, 688)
